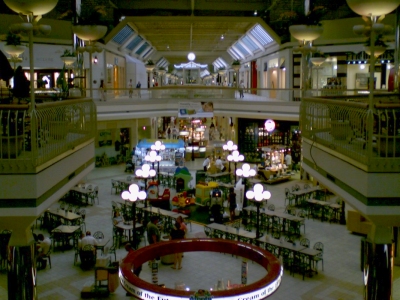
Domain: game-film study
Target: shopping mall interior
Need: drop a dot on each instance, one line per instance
(293, 97)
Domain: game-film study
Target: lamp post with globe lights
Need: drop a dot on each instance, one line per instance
(145, 173)
(245, 172)
(134, 194)
(229, 146)
(235, 157)
(259, 195)
(158, 146)
(153, 157)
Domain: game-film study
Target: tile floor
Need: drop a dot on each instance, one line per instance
(341, 278)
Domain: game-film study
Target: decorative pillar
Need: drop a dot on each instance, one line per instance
(378, 264)
(22, 272)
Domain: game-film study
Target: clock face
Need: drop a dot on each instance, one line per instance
(191, 56)
(269, 125)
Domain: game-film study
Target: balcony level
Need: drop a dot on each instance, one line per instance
(340, 152)
(45, 150)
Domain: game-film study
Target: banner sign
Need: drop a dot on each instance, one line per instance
(196, 110)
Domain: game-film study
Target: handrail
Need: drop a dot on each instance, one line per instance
(342, 127)
(31, 138)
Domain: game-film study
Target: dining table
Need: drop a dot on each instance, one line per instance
(80, 193)
(53, 217)
(300, 195)
(128, 226)
(240, 233)
(67, 232)
(287, 219)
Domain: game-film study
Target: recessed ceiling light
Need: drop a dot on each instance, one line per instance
(222, 37)
(255, 12)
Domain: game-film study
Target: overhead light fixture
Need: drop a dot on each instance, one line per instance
(191, 56)
(167, 46)
(222, 37)
(95, 60)
(255, 12)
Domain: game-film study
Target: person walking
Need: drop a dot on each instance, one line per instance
(232, 203)
(130, 85)
(138, 86)
(241, 89)
(206, 163)
(177, 233)
(102, 91)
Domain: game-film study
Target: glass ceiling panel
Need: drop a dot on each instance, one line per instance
(123, 35)
(236, 53)
(250, 44)
(241, 49)
(147, 52)
(261, 35)
(142, 48)
(134, 43)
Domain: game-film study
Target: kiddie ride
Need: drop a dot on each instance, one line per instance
(156, 200)
(182, 200)
(208, 194)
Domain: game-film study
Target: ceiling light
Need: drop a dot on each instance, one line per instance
(222, 36)
(191, 56)
(167, 46)
(255, 12)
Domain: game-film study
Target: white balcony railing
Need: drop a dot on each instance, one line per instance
(31, 138)
(342, 126)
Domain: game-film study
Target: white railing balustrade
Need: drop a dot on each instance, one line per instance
(342, 125)
(34, 137)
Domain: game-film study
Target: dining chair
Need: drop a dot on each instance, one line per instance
(113, 248)
(208, 231)
(87, 256)
(319, 246)
(98, 235)
(57, 236)
(115, 185)
(271, 207)
(305, 242)
(47, 256)
(129, 178)
(306, 186)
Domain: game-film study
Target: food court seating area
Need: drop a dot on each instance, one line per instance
(338, 275)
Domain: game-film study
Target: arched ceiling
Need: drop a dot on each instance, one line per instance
(172, 38)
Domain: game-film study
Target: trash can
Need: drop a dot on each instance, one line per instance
(167, 259)
(113, 280)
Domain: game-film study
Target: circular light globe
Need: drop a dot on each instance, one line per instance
(191, 56)
(372, 7)
(269, 125)
(36, 7)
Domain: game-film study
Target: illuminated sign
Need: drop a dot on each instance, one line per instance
(269, 125)
(149, 295)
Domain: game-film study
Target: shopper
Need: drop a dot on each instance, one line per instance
(232, 203)
(177, 233)
(206, 163)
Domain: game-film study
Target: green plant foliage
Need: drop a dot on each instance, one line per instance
(13, 39)
(68, 53)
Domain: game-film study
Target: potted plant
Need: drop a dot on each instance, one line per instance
(68, 57)
(379, 46)
(150, 65)
(221, 71)
(305, 27)
(13, 45)
(318, 58)
(236, 65)
(91, 24)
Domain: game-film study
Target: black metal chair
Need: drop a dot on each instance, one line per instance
(320, 257)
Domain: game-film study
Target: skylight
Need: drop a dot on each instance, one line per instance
(261, 35)
(123, 35)
(134, 43)
(142, 48)
(250, 44)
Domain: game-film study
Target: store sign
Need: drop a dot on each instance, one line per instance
(269, 125)
(149, 295)
(196, 110)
